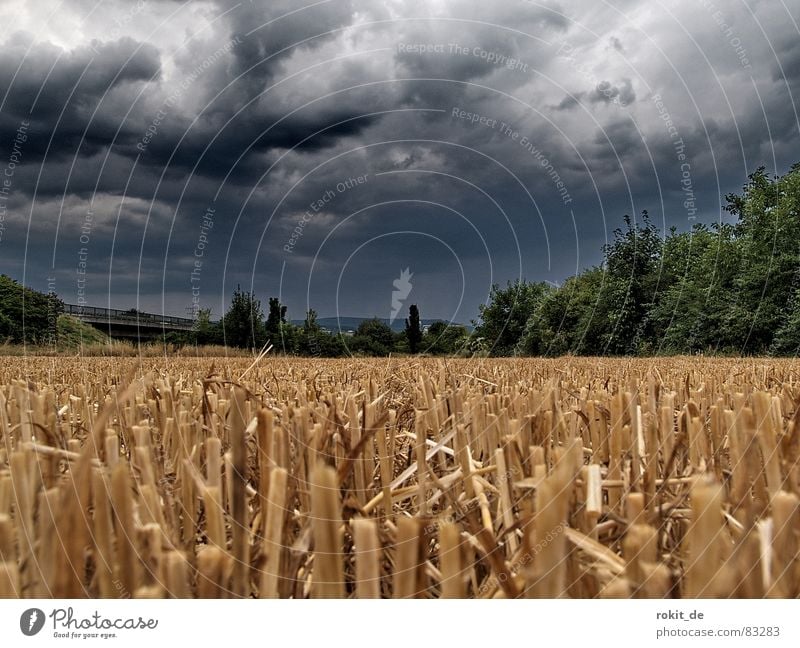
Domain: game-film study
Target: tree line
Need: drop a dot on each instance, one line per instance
(245, 326)
(725, 288)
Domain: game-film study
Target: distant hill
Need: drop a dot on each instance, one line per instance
(351, 323)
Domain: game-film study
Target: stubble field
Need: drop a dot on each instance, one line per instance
(296, 478)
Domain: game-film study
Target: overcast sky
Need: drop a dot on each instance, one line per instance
(158, 153)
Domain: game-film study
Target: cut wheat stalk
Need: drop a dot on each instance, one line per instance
(273, 532)
(328, 577)
(704, 537)
(451, 559)
(240, 523)
(407, 559)
(368, 558)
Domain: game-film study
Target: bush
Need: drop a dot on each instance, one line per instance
(374, 334)
(27, 316)
(443, 338)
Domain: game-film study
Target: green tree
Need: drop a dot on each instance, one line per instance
(443, 338)
(692, 311)
(281, 334)
(413, 329)
(768, 236)
(8, 331)
(308, 338)
(787, 338)
(330, 345)
(205, 331)
(503, 318)
(372, 337)
(732, 288)
(243, 324)
(276, 315)
(571, 318)
(310, 323)
(632, 263)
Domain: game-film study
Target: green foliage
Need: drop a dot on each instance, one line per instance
(311, 340)
(787, 338)
(325, 345)
(73, 333)
(243, 324)
(8, 331)
(632, 263)
(768, 232)
(693, 312)
(504, 318)
(372, 337)
(727, 288)
(570, 319)
(413, 329)
(281, 334)
(275, 318)
(27, 316)
(307, 337)
(205, 331)
(443, 338)
(310, 323)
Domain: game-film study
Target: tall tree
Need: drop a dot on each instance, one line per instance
(308, 339)
(768, 234)
(632, 262)
(413, 328)
(275, 318)
(310, 324)
(205, 331)
(691, 312)
(243, 324)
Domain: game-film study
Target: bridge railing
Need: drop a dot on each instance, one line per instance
(117, 314)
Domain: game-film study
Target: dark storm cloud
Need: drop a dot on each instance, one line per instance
(262, 110)
(616, 139)
(58, 91)
(787, 67)
(213, 153)
(272, 32)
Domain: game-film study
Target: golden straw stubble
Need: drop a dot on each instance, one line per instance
(368, 558)
(272, 547)
(408, 477)
(451, 556)
(704, 537)
(326, 522)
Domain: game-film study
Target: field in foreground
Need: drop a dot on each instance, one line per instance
(578, 477)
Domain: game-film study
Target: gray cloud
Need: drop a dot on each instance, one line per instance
(606, 92)
(148, 118)
(71, 97)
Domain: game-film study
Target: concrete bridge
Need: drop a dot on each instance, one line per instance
(128, 324)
